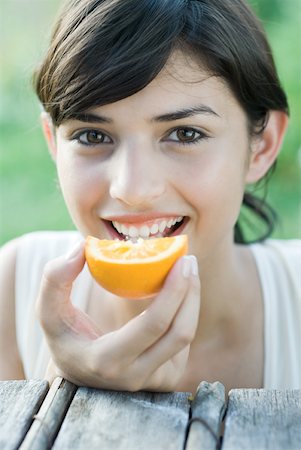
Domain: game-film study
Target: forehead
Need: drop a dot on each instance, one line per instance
(185, 76)
(182, 83)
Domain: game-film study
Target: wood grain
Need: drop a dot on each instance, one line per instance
(49, 418)
(19, 402)
(207, 410)
(121, 420)
(263, 419)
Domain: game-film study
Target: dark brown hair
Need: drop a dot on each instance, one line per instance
(105, 50)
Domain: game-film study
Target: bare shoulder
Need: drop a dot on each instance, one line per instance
(10, 361)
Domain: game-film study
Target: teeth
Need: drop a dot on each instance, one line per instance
(154, 228)
(124, 230)
(162, 226)
(145, 231)
(133, 232)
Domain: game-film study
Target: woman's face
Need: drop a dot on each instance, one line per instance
(170, 159)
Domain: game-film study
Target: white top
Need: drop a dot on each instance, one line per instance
(279, 267)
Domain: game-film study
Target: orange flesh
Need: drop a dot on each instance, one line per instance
(133, 269)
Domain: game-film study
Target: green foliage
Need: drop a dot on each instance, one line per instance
(29, 196)
(269, 10)
(282, 21)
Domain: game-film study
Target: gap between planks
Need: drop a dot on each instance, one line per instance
(206, 417)
(47, 422)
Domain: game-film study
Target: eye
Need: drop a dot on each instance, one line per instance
(92, 137)
(186, 135)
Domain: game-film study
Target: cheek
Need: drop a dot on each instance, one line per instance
(80, 181)
(216, 185)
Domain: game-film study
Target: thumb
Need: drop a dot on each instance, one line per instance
(62, 271)
(54, 298)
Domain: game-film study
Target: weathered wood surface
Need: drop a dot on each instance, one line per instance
(19, 402)
(263, 419)
(207, 410)
(49, 418)
(33, 418)
(120, 420)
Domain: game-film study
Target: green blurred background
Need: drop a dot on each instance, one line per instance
(29, 197)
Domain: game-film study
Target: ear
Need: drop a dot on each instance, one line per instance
(49, 133)
(265, 149)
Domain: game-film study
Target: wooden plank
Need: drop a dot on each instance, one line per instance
(19, 402)
(263, 419)
(49, 418)
(122, 420)
(207, 410)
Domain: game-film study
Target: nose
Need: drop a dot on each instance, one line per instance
(137, 177)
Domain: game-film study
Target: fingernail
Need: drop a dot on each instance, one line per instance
(74, 251)
(190, 266)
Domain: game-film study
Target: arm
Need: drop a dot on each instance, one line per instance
(10, 361)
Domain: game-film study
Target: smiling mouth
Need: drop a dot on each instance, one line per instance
(152, 229)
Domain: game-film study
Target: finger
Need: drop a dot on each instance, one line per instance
(144, 330)
(54, 297)
(182, 330)
(169, 374)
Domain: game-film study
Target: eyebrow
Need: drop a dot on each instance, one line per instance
(183, 113)
(89, 117)
(167, 117)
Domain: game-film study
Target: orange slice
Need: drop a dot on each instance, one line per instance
(133, 269)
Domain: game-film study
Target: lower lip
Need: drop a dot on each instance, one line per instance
(115, 235)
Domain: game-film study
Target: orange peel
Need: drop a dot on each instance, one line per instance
(133, 269)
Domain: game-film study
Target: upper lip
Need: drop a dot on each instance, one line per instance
(140, 218)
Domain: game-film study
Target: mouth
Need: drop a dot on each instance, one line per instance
(163, 227)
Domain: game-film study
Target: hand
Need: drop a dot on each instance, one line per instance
(150, 352)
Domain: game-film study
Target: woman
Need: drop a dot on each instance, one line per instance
(156, 113)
